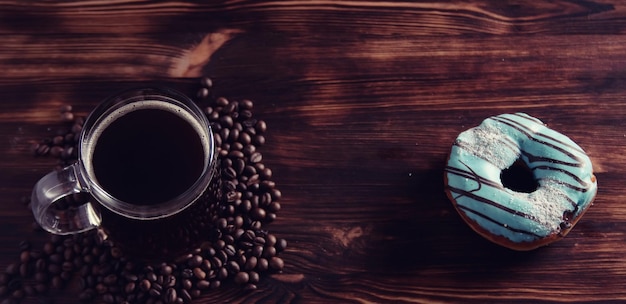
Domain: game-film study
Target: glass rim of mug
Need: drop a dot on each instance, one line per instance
(162, 209)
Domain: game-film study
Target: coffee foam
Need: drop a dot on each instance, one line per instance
(103, 124)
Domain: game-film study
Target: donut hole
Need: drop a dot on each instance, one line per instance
(518, 177)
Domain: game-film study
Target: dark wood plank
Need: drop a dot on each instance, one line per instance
(363, 100)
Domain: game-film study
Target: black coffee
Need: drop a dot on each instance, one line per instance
(148, 154)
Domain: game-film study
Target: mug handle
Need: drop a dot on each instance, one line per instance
(48, 213)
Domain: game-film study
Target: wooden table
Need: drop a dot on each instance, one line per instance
(363, 100)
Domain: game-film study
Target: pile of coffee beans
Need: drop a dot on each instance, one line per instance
(238, 249)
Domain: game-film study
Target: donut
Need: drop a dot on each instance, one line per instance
(519, 220)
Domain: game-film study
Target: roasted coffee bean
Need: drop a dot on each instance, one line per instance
(18, 294)
(258, 213)
(41, 288)
(195, 261)
(233, 267)
(253, 277)
(66, 275)
(269, 252)
(108, 298)
(169, 281)
(251, 263)
(156, 286)
(256, 157)
(24, 246)
(12, 269)
(203, 93)
(250, 287)
(203, 284)
(206, 265)
(215, 284)
(101, 288)
(110, 279)
(242, 278)
(67, 116)
(230, 173)
(25, 270)
(221, 102)
(187, 284)
(57, 282)
(130, 287)
(187, 273)
(184, 294)
(4, 291)
(199, 273)
(195, 292)
(170, 295)
(262, 265)
(276, 263)
(154, 293)
(281, 245)
(151, 276)
(145, 285)
(206, 82)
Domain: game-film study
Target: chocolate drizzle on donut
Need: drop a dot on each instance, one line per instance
(564, 189)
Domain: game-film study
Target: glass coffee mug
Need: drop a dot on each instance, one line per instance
(147, 159)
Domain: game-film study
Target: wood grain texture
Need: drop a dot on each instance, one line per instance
(363, 100)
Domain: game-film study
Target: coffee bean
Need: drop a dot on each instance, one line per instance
(154, 293)
(203, 93)
(110, 279)
(108, 298)
(145, 285)
(276, 263)
(251, 263)
(253, 277)
(101, 288)
(57, 282)
(41, 277)
(233, 137)
(170, 295)
(18, 294)
(256, 157)
(258, 213)
(203, 284)
(151, 276)
(25, 270)
(199, 273)
(281, 245)
(206, 264)
(186, 273)
(12, 269)
(215, 284)
(184, 294)
(130, 287)
(221, 102)
(187, 284)
(24, 256)
(242, 278)
(156, 286)
(230, 173)
(67, 116)
(250, 287)
(195, 261)
(4, 290)
(262, 265)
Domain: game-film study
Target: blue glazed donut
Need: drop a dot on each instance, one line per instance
(566, 186)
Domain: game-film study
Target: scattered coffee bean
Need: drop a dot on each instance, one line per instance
(238, 247)
(242, 278)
